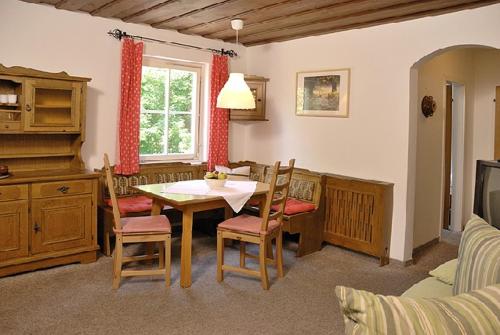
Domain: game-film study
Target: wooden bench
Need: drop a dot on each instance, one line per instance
(305, 189)
(150, 173)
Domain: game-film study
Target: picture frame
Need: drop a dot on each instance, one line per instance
(323, 93)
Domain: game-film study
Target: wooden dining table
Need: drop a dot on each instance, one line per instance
(190, 204)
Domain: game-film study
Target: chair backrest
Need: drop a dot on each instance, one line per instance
(278, 193)
(111, 188)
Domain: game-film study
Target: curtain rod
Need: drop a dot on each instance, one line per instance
(118, 34)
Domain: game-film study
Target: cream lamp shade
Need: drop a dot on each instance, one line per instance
(236, 94)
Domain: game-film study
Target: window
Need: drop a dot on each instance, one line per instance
(169, 110)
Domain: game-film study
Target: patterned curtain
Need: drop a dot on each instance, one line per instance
(127, 160)
(219, 117)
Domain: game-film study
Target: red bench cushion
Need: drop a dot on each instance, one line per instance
(133, 204)
(292, 206)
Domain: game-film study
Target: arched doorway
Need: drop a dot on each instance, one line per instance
(444, 147)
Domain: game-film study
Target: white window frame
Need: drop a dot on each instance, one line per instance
(196, 119)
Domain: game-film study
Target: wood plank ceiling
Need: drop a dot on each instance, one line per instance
(266, 21)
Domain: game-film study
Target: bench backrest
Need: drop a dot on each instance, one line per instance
(305, 185)
(151, 173)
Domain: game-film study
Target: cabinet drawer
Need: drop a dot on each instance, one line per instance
(6, 125)
(61, 188)
(13, 192)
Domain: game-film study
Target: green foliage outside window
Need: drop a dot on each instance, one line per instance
(180, 135)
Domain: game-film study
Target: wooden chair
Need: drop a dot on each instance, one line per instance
(144, 229)
(258, 230)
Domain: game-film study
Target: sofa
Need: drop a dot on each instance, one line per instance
(462, 296)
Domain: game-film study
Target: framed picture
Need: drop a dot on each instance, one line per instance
(323, 93)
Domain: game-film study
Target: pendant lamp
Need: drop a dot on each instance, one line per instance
(236, 94)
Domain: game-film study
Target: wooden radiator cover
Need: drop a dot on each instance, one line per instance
(358, 215)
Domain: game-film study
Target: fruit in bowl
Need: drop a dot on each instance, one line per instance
(215, 179)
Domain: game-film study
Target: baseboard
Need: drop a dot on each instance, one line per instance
(402, 264)
(425, 246)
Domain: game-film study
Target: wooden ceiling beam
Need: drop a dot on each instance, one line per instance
(325, 28)
(75, 5)
(122, 8)
(211, 13)
(168, 9)
(326, 13)
(256, 15)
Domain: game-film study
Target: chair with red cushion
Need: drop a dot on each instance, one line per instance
(144, 229)
(258, 230)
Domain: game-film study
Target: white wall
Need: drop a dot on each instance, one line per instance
(452, 66)
(49, 39)
(478, 69)
(374, 141)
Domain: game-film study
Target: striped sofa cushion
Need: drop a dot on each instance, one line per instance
(478, 257)
(476, 312)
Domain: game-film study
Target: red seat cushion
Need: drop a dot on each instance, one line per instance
(247, 224)
(294, 206)
(134, 204)
(145, 224)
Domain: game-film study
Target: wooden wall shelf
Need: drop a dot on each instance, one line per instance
(48, 205)
(258, 87)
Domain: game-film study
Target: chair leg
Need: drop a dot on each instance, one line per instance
(107, 244)
(168, 252)
(262, 261)
(161, 255)
(118, 258)
(150, 250)
(220, 256)
(279, 254)
(242, 254)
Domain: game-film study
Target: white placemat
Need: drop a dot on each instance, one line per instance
(235, 192)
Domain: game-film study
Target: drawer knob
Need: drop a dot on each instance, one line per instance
(63, 189)
(36, 228)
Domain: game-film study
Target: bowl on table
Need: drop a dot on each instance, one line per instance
(215, 183)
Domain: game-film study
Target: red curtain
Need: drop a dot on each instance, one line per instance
(219, 117)
(127, 160)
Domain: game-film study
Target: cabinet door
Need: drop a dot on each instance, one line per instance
(13, 229)
(61, 223)
(52, 105)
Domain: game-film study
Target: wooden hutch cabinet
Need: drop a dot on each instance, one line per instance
(258, 87)
(48, 203)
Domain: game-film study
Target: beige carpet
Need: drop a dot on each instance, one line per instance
(78, 299)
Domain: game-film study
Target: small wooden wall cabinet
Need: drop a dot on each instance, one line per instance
(258, 87)
(48, 203)
(358, 215)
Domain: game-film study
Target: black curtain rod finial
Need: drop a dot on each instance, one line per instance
(117, 33)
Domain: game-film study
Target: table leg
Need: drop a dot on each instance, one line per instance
(157, 207)
(187, 236)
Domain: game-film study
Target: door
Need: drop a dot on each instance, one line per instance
(497, 124)
(61, 223)
(52, 105)
(447, 158)
(13, 229)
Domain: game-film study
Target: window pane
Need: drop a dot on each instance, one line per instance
(153, 88)
(152, 132)
(181, 90)
(180, 135)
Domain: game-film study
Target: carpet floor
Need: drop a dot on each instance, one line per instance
(78, 299)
